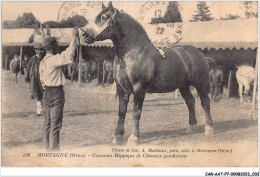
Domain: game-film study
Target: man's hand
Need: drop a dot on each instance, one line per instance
(75, 34)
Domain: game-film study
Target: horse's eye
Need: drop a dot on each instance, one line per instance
(103, 16)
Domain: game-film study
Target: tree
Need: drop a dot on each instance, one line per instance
(203, 12)
(250, 9)
(71, 22)
(27, 20)
(52, 24)
(6, 24)
(172, 14)
(157, 20)
(230, 17)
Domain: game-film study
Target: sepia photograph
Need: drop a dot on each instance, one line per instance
(129, 84)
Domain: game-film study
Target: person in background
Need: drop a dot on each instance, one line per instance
(15, 67)
(33, 78)
(53, 79)
(72, 68)
(25, 66)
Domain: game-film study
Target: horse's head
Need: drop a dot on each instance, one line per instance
(104, 25)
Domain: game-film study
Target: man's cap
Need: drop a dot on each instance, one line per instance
(37, 46)
(49, 42)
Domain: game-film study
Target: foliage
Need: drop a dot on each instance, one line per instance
(52, 24)
(71, 22)
(250, 9)
(172, 14)
(28, 20)
(203, 13)
(8, 24)
(230, 17)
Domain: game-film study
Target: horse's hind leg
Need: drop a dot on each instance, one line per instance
(205, 103)
(190, 102)
(137, 111)
(123, 102)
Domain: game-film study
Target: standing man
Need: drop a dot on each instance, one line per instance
(25, 67)
(53, 79)
(15, 67)
(33, 77)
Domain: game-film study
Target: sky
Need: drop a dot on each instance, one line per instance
(48, 11)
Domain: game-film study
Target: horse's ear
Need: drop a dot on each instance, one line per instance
(42, 31)
(103, 6)
(110, 6)
(37, 30)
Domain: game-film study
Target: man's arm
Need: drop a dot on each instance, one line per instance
(66, 57)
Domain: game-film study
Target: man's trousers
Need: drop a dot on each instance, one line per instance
(39, 107)
(53, 98)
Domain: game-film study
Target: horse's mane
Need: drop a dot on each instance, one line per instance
(125, 16)
(134, 22)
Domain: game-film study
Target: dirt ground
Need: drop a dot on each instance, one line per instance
(90, 117)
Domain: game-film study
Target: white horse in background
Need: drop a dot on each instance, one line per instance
(246, 75)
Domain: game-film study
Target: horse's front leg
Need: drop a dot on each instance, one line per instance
(137, 111)
(123, 102)
(99, 72)
(240, 91)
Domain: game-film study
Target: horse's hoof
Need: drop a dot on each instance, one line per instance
(132, 140)
(192, 129)
(117, 140)
(209, 130)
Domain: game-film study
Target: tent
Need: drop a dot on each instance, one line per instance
(230, 42)
(20, 37)
(218, 34)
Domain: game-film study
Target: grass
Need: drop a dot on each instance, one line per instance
(90, 117)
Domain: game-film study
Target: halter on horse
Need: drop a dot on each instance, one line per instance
(139, 68)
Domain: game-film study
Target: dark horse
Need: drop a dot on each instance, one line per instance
(216, 79)
(108, 72)
(140, 68)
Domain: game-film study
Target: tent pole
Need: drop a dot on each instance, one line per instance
(6, 60)
(255, 82)
(21, 54)
(80, 60)
(229, 84)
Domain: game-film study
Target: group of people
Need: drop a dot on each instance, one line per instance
(46, 80)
